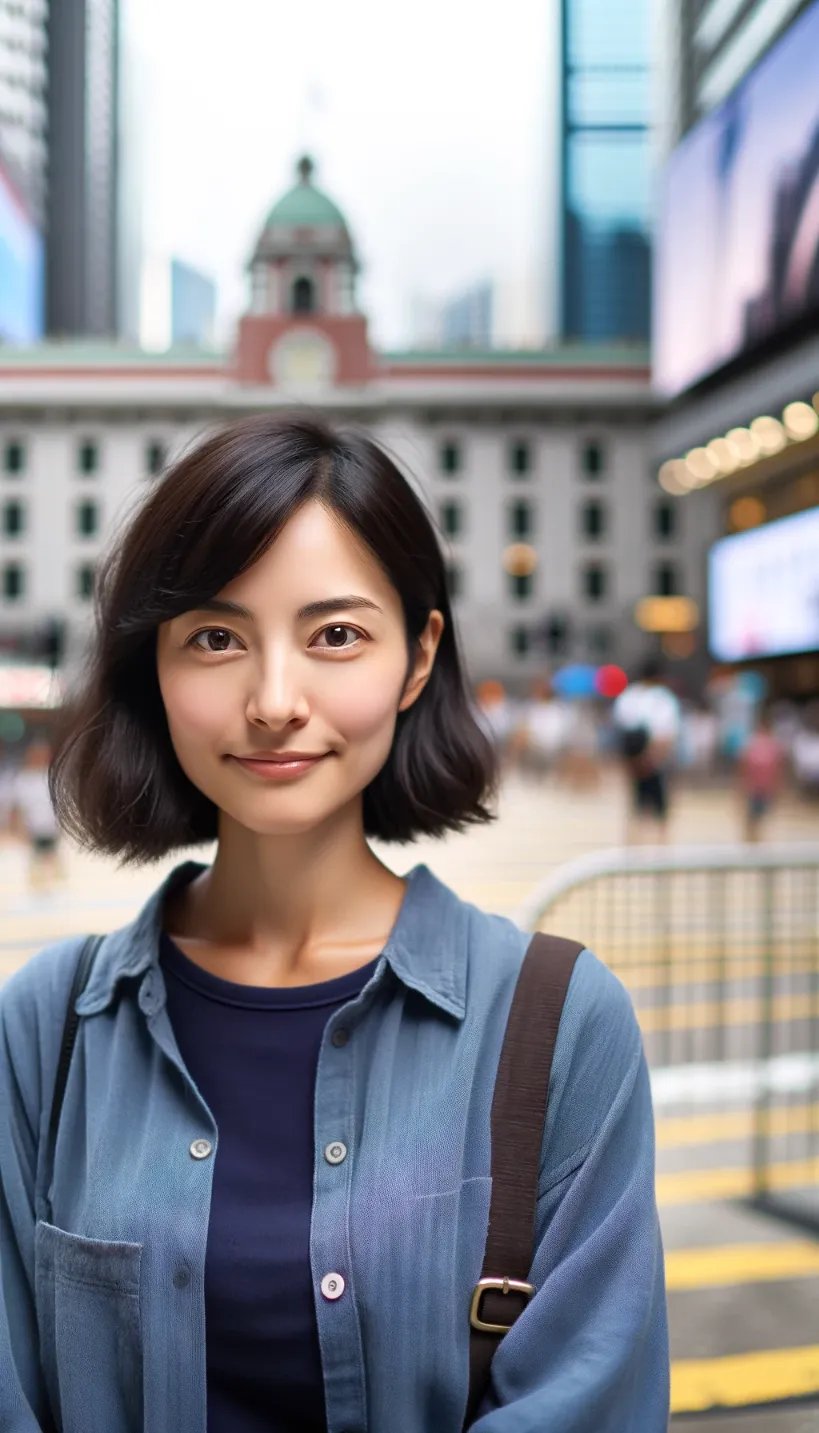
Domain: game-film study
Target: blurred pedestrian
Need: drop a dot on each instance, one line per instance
(543, 731)
(647, 716)
(805, 758)
(760, 770)
(699, 741)
(580, 764)
(273, 1176)
(34, 815)
(497, 716)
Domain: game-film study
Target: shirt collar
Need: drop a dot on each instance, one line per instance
(427, 947)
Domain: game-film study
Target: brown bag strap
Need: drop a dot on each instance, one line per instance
(517, 1122)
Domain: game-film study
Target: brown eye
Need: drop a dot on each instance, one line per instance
(335, 636)
(216, 639)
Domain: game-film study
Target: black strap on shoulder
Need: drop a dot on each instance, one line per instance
(517, 1122)
(72, 1020)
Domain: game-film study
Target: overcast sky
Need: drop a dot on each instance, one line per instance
(427, 124)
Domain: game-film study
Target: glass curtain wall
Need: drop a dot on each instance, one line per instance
(606, 169)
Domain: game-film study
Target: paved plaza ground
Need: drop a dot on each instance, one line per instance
(743, 1288)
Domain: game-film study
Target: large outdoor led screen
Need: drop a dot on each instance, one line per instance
(738, 240)
(763, 598)
(21, 270)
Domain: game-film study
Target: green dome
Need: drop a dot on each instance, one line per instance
(304, 206)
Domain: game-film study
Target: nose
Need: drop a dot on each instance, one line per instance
(277, 696)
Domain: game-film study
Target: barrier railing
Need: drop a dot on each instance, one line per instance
(719, 949)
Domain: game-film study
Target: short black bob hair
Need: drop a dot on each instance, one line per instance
(115, 780)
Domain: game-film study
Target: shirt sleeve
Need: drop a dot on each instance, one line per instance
(23, 1399)
(590, 1353)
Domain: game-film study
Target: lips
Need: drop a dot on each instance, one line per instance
(283, 758)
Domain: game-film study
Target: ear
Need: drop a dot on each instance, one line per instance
(425, 657)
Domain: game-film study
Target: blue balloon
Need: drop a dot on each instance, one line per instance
(576, 680)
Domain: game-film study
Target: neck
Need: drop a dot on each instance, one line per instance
(292, 909)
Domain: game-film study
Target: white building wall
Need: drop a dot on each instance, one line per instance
(487, 613)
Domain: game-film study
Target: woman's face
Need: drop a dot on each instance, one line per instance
(264, 671)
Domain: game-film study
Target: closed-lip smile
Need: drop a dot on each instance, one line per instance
(283, 756)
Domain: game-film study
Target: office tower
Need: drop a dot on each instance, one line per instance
(23, 47)
(82, 199)
(605, 169)
(193, 305)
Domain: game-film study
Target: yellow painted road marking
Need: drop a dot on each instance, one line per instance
(692, 1186)
(674, 1133)
(741, 1264)
(698, 1384)
(702, 1014)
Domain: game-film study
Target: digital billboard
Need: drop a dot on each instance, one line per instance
(763, 590)
(21, 269)
(737, 252)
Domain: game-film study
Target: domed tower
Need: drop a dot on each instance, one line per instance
(303, 330)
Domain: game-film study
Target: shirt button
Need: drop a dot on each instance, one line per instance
(201, 1148)
(339, 1038)
(335, 1153)
(332, 1286)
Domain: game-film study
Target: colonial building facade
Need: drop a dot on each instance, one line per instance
(534, 466)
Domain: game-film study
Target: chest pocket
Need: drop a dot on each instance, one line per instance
(87, 1296)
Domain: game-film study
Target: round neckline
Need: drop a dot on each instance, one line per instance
(274, 997)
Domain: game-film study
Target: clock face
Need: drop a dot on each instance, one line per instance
(302, 359)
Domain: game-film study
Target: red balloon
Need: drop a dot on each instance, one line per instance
(610, 681)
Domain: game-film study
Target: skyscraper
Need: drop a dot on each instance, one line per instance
(23, 99)
(82, 202)
(605, 169)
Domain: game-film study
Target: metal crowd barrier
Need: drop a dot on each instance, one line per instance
(719, 948)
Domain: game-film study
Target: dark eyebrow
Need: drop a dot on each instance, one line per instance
(325, 607)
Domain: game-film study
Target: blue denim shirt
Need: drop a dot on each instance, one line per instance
(102, 1308)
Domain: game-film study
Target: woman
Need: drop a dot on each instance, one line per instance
(271, 1183)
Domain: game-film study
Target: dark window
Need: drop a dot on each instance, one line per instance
(454, 580)
(666, 583)
(87, 516)
(520, 641)
(593, 459)
(14, 457)
(520, 459)
(155, 457)
(599, 640)
(14, 581)
(304, 296)
(557, 636)
(85, 581)
(452, 519)
(521, 586)
(593, 520)
(665, 521)
(88, 457)
(14, 519)
(520, 519)
(450, 457)
(594, 582)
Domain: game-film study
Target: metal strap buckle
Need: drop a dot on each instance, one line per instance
(502, 1286)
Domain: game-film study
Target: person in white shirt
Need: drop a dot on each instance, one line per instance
(647, 717)
(34, 814)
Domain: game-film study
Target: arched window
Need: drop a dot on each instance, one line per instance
(304, 296)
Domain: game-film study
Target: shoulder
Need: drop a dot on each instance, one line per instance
(599, 1048)
(597, 1062)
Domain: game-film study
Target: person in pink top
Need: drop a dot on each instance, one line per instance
(761, 771)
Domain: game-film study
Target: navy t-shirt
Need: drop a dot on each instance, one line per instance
(252, 1053)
